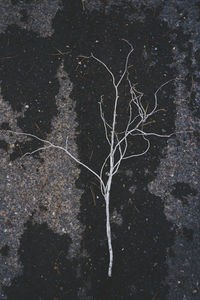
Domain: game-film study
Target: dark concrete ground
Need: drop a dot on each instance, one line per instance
(53, 243)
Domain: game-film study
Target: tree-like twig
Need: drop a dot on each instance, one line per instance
(117, 142)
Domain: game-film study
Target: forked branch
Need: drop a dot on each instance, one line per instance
(118, 142)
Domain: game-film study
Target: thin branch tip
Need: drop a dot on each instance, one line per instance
(128, 43)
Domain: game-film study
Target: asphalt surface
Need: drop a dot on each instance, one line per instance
(52, 216)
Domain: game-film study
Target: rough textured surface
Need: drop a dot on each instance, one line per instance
(29, 15)
(53, 229)
(43, 191)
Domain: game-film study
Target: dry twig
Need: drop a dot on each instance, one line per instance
(118, 142)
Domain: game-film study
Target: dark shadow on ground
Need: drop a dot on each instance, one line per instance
(47, 272)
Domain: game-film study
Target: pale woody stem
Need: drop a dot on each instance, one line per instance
(142, 117)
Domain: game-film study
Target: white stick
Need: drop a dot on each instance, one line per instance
(118, 144)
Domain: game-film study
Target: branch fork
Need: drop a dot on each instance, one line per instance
(118, 142)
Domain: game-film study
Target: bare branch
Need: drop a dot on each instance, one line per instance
(56, 147)
(35, 151)
(156, 98)
(104, 121)
(105, 66)
(118, 142)
(126, 63)
(142, 153)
